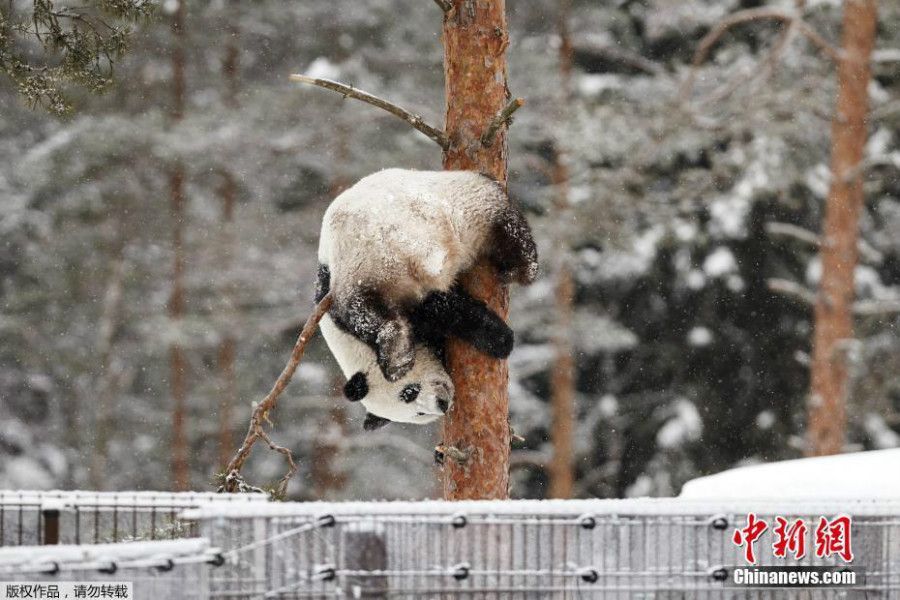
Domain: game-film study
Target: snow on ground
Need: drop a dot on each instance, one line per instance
(861, 475)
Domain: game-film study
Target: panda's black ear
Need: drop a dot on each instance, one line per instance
(373, 422)
(356, 388)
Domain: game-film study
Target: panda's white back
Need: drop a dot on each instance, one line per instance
(405, 232)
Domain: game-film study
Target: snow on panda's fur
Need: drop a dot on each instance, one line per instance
(390, 251)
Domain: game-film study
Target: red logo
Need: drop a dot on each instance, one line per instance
(832, 537)
(748, 535)
(789, 537)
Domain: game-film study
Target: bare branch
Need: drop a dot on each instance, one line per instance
(620, 55)
(813, 36)
(437, 135)
(262, 410)
(445, 5)
(763, 70)
(792, 290)
(747, 16)
(487, 138)
(724, 26)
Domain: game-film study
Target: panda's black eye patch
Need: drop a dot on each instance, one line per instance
(356, 388)
(410, 392)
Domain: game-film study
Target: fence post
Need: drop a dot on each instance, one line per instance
(51, 526)
(364, 550)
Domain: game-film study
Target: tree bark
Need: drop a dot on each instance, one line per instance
(561, 469)
(475, 40)
(834, 304)
(180, 468)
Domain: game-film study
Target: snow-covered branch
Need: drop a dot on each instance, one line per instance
(793, 290)
(795, 232)
(861, 308)
(347, 91)
(800, 234)
(876, 308)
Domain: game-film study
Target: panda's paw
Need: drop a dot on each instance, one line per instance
(513, 249)
(396, 369)
(396, 350)
(494, 337)
(523, 274)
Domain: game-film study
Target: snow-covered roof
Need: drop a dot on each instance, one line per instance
(845, 477)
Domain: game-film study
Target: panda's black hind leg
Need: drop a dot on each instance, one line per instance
(458, 314)
(367, 317)
(512, 248)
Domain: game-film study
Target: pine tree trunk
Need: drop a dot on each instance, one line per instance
(180, 469)
(833, 312)
(228, 193)
(475, 40)
(561, 469)
(227, 351)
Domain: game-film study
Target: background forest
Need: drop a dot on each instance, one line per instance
(667, 246)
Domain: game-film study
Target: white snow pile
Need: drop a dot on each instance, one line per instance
(861, 475)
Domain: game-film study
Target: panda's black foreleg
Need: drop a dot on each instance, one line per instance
(513, 250)
(456, 313)
(365, 315)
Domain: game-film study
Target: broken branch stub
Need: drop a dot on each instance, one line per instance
(503, 117)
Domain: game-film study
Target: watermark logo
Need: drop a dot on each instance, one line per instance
(73, 590)
(832, 537)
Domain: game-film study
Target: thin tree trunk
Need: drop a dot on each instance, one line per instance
(833, 312)
(180, 469)
(561, 469)
(227, 443)
(475, 39)
(228, 192)
(106, 331)
(326, 452)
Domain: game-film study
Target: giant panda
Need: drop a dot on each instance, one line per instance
(390, 251)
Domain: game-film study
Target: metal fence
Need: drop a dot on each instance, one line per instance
(58, 517)
(176, 570)
(617, 549)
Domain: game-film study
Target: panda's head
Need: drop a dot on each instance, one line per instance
(423, 395)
